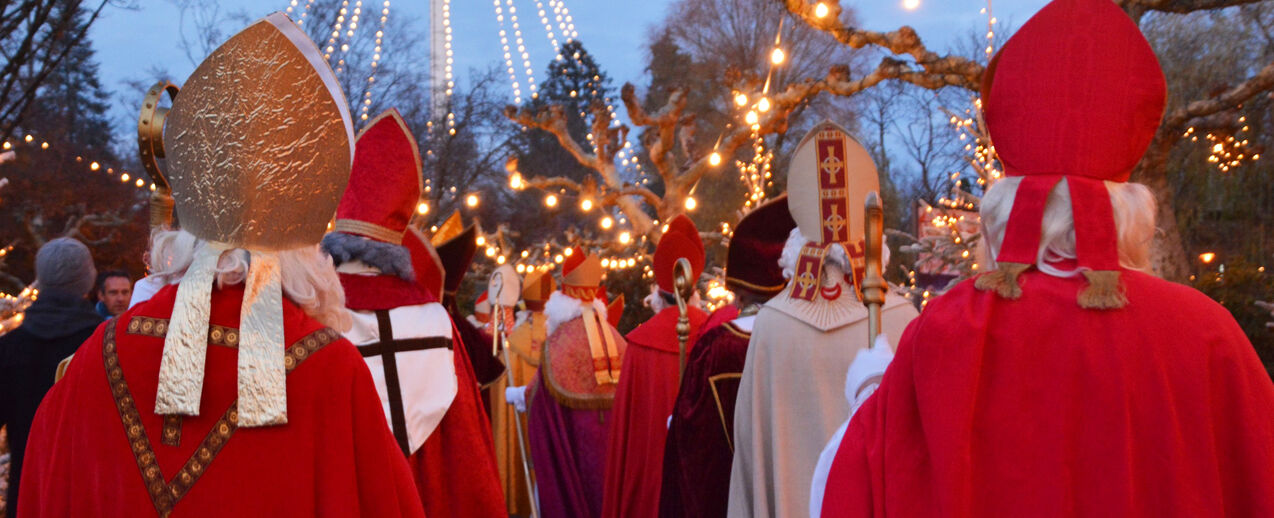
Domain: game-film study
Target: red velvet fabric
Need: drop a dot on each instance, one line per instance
(681, 240)
(335, 457)
(425, 263)
(698, 452)
(455, 469)
(752, 262)
(648, 387)
(384, 181)
(1077, 91)
(1039, 408)
(377, 292)
(722, 315)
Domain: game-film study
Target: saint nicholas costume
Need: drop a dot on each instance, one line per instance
(648, 385)
(457, 246)
(791, 397)
(525, 342)
(1026, 393)
(700, 445)
(569, 401)
(403, 333)
(216, 399)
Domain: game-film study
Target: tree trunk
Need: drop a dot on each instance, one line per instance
(1167, 254)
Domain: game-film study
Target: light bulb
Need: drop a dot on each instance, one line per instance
(776, 56)
(691, 204)
(763, 105)
(714, 159)
(471, 200)
(820, 10)
(550, 201)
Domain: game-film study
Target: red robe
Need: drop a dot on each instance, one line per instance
(1036, 407)
(455, 469)
(700, 445)
(335, 456)
(643, 401)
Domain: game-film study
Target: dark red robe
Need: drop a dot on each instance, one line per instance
(98, 449)
(1035, 407)
(455, 469)
(700, 445)
(647, 389)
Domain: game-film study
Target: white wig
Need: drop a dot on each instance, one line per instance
(309, 280)
(1133, 208)
(837, 259)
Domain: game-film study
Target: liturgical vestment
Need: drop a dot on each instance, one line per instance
(792, 398)
(1037, 407)
(98, 449)
(700, 445)
(647, 389)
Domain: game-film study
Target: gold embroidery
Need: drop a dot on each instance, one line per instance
(172, 431)
(165, 495)
(158, 328)
(716, 396)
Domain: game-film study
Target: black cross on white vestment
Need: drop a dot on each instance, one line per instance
(386, 349)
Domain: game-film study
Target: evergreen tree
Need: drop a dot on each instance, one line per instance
(52, 189)
(575, 82)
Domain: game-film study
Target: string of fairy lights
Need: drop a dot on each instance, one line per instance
(94, 166)
(1227, 151)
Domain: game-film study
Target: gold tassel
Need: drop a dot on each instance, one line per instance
(1003, 280)
(1103, 291)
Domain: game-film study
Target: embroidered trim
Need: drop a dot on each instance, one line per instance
(716, 396)
(734, 330)
(158, 328)
(172, 431)
(372, 230)
(764, 290)
(165, 495)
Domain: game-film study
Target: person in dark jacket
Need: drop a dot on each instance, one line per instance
(55, 325)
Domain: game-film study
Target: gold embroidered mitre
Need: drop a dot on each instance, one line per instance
(260, 141)
(259, 144)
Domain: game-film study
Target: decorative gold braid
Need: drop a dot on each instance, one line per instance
(158, 328)
(163, 495)
(716, 397)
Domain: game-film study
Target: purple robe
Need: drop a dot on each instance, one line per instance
(568, 451)
(698, 453)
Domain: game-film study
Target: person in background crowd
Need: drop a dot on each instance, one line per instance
(55, 326)
(114, 291)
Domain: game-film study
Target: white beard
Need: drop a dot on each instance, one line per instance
(562, 308)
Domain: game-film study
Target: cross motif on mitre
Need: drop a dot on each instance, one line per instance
(830, 166)
(834, 222)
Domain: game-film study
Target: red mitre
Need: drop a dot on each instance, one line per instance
(581, 275)
(384, 181)
(1076, 93)
(456, 254)
(752, 263)
(615, 310)
(425, 262)
(680, 240)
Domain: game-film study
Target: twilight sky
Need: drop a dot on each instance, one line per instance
(130, 42)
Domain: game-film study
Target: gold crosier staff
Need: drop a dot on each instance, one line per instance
(498, 334)
(874, 285)
(683, 286)
(150, 146)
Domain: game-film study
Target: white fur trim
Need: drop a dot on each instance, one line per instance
(562, 308)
